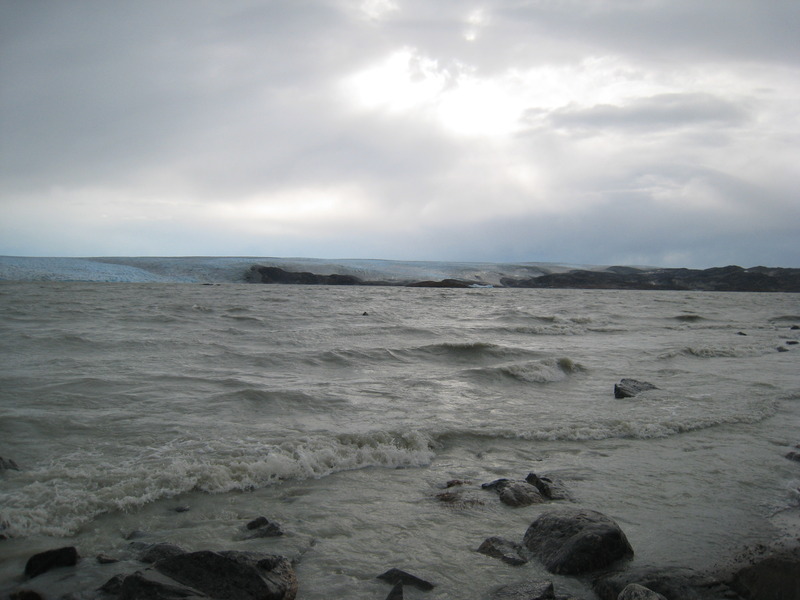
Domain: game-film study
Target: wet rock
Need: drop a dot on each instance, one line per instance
(628, 388)
(515, 493)
(396, 592)
(571, 541)
(550, 489)
(634, 591)
(230, 575)
(507, 551)
(528, 590)
(26, 595)
(671, 583)
(105, 559)
(774, 577)
(6, 464)
(740, 333)
(50, 559)
(156, 552)
(792, 342)
(782, 349)
(152, 585)
(395, 576)
(114, 585)
(136, 534)
(262, 527)
(182, 509)
(793, 456)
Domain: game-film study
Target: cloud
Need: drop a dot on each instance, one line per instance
(401, 129)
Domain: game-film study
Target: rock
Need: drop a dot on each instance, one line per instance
(105, 559)
(156, 552)
(528, 590)
(114, 585)
(515, 493)
(793, 456)
(782, 349)
(444, 283)
(25, 595)
(671, 583)
(396, 593)
(152, 585)
(44, 561)
(775, 577)
(571, 541)
(136, 534)
(457, 482)
(507, 551)
(793, 327)
(259, 274)
(634, 591)
(395, 576)
(6, 464)
(628, 388)
(208, 575)
(552, 490)
(740, 333)
(182, 509)
(792, 342)
(263, 527)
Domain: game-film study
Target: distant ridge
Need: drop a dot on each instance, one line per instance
(312, 271)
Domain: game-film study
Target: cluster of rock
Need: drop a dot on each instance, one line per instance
(719, 279)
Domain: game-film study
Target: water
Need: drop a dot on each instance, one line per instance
(122, 402)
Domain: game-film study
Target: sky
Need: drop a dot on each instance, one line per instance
(638, 132)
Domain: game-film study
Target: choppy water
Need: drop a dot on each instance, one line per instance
(121, 402)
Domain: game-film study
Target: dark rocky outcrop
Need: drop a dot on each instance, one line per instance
(628, 388)
(395, 576)
(444, 283)
(260, 274)
(6, 464)
(720, 279)
(571, 541)
(509, 552)
(219, 575)
(50, 559)
(262, 527)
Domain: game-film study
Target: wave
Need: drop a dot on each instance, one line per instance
(620, 428)
(59, 498)
(543, 371)
(713, 352)
(448, 352)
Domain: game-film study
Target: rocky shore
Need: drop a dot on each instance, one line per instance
(718, 279)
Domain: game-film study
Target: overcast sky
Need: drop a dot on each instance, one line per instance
(655, 132)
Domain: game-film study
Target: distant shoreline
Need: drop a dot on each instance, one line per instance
(367, 272)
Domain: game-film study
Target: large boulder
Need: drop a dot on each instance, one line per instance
(217, 575)
(774, 577)
(571, 541)
(50, 559)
